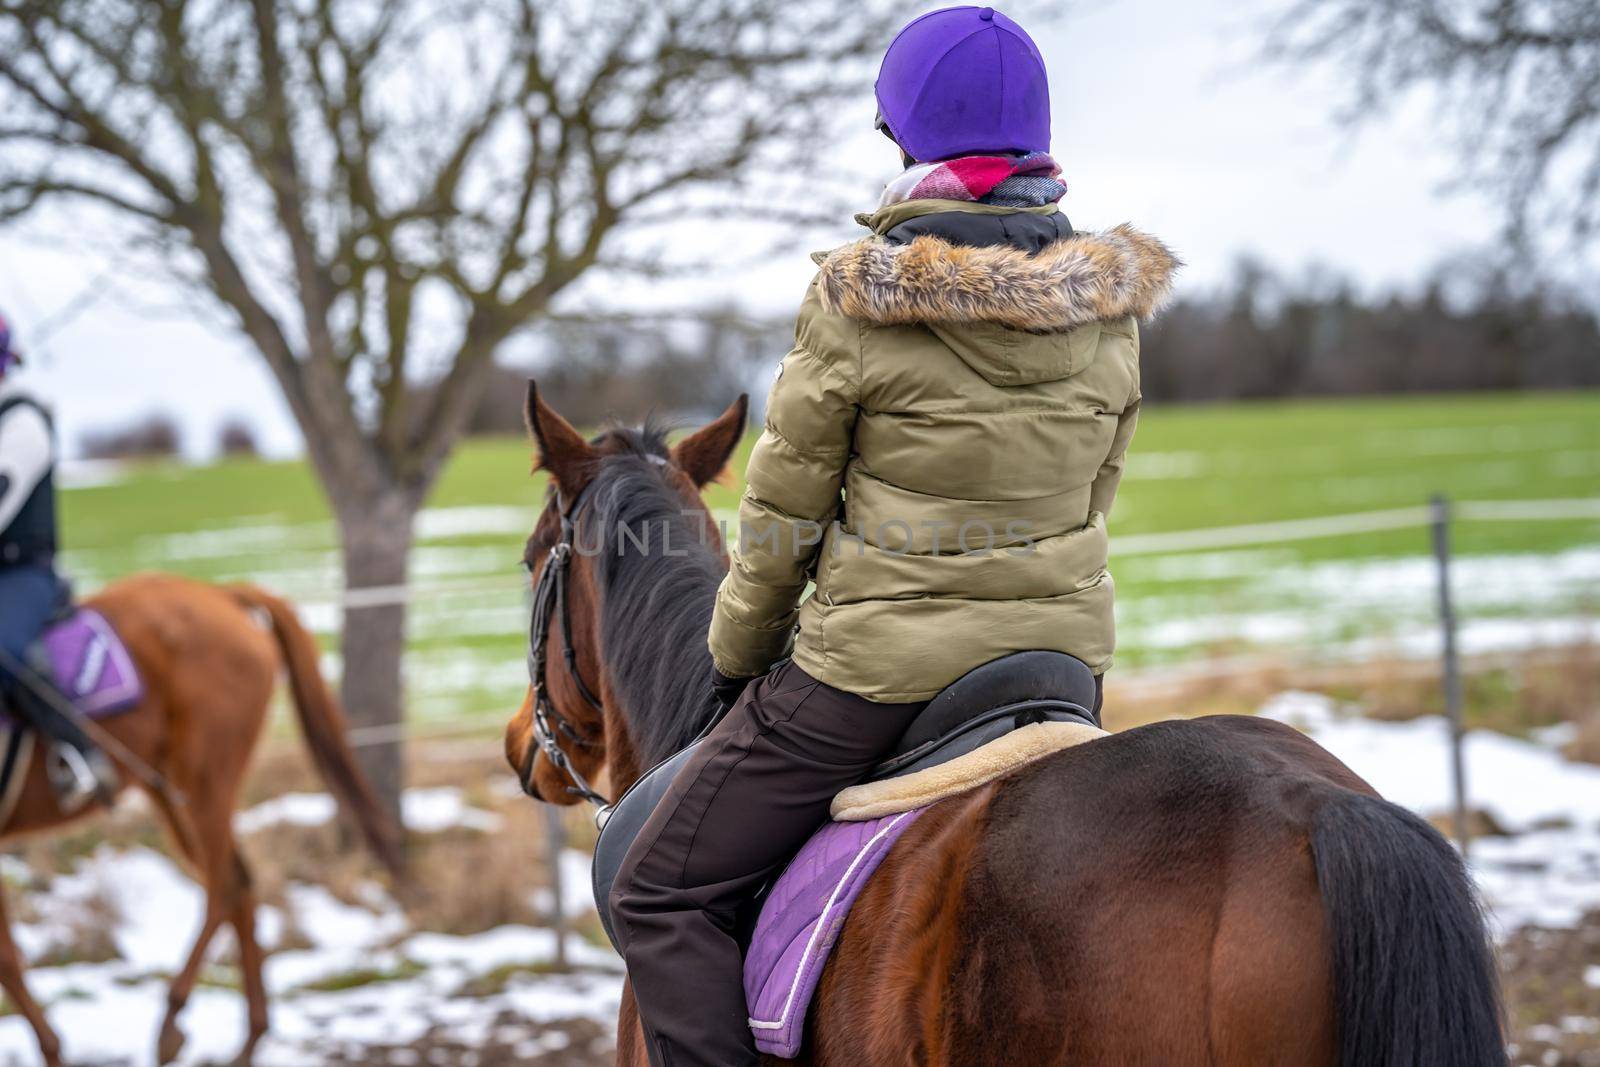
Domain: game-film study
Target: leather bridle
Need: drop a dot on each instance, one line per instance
(550, 606)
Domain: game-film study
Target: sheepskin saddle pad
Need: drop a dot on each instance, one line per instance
(992, 720)
(995, 759)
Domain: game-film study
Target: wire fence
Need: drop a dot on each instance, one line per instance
(1437, 516)
(1576, 509)
(1131, 545)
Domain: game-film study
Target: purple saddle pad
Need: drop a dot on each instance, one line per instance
(91, 665)
(800, 922)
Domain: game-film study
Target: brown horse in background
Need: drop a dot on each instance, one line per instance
(209, 657)
(1212, 891)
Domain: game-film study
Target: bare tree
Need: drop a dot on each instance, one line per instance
(152, 437)
(237, 438)
(377, 193)
(1516, 81)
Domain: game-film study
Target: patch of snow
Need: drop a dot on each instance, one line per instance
(451, 561)
(435, 524)
(432, 811)
(1481, 582)
(243, 538)
(1559, 735)
(425, 811)
(91, 473)
(288, 809)
(157, 907)
(1294, 629)
(1150, 466)
(503, 946)
(1520, 783)
(110, 1012)
(1547, 872)
(589, 996)
(577, 885)
(330, 923)
(1507, 601)
(1548, 878)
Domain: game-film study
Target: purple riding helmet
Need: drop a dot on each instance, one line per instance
(9, 357)
(964, 80)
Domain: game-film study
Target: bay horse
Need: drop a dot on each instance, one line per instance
(209, 657)
(1218, 890)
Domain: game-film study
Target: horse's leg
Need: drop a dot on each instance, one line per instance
(214, 704)
(190, 844)
(250, 956)
(17, 989)
(229, 898)
(170, 1043)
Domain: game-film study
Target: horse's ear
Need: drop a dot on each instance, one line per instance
(703, 454)
(561, 450)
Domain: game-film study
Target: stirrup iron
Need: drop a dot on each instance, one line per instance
(73, 780)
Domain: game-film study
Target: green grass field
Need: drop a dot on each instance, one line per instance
(1191, 468)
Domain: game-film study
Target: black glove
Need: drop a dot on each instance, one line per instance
(726, 688)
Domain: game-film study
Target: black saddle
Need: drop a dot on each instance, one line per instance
(985, 703)
(990, 701)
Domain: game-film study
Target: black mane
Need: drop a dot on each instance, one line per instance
(657, 576)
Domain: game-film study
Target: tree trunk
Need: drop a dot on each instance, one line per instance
(377, 538)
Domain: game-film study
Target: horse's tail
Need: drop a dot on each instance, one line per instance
(1413, 972)
(323, 724)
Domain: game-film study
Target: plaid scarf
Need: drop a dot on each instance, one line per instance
(1006, 181)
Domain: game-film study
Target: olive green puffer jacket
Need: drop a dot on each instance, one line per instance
(941, 450)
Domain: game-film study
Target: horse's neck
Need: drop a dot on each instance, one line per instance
(623, 764)
(678, 681)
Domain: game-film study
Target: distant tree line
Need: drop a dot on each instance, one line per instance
(595, 369)
(157, 436)
(1262, 335)
(150, 437)
(1268, 336)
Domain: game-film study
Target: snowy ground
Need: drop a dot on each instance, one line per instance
(1269, 600)
(356, 984)
(1545, 871)
(364, 978)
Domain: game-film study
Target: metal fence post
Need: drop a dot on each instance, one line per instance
(555, 836)
(1440, 508)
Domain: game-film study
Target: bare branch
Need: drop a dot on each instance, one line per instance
(329, 166)
(1517, 82)
(20, 196)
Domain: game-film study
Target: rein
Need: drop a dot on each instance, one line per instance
(550, 607)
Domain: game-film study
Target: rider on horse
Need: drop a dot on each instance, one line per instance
(32, 594)
(941, 450)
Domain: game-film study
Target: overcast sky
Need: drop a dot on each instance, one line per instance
(1160, 119)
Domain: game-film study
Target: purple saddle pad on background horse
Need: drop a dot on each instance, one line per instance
(800, 923)
(91, 665)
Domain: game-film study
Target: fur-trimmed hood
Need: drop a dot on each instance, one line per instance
(1086, 278)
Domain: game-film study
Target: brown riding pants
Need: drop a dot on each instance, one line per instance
(756, 789)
